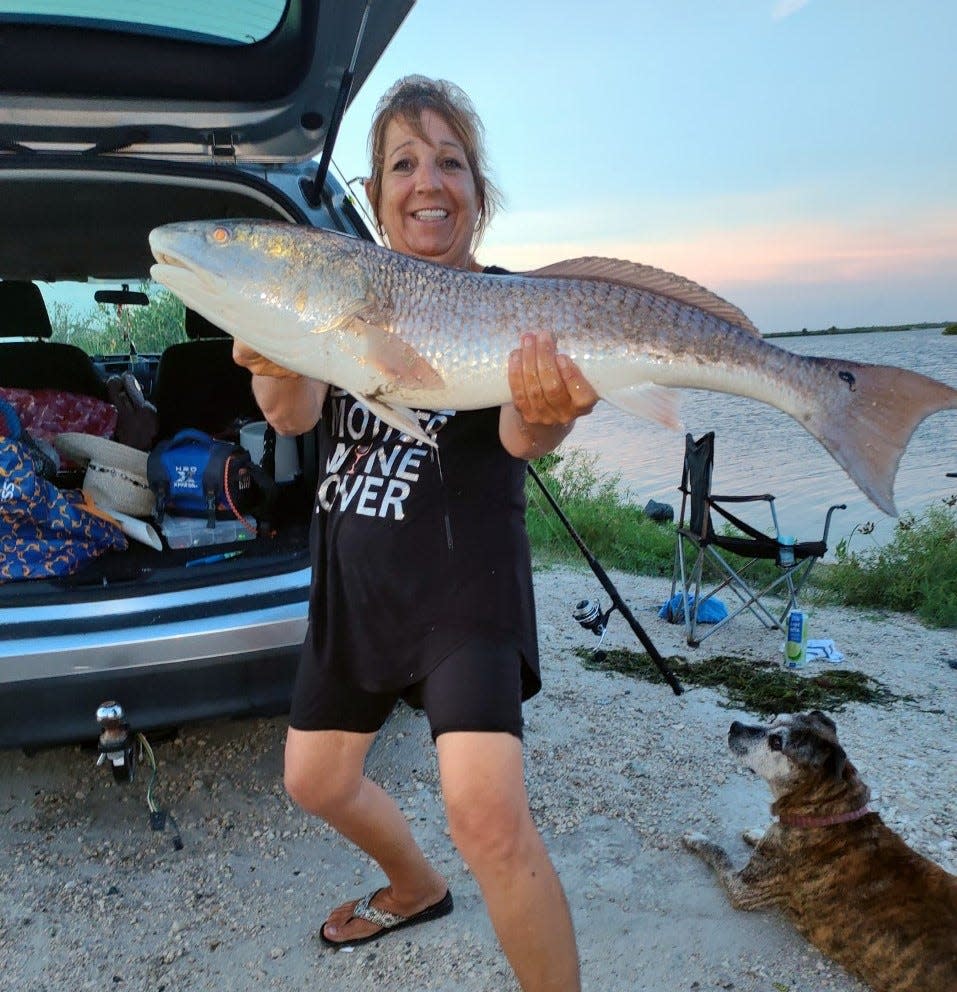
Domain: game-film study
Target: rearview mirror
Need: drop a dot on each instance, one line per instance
(122, 297)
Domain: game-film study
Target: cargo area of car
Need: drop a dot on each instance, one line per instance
(89, 229)
(117, 120)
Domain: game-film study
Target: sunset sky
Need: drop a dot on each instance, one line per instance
(799, 157)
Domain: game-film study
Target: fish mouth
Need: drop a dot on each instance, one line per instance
(194, 286)
(166, 255)
(162, 250)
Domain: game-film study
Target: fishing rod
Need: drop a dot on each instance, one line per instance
(603, 578)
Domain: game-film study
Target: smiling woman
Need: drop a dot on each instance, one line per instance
(428, 203)
(444, 132)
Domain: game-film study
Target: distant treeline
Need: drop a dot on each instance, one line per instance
(863, 330)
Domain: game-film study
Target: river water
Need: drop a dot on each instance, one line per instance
(758, 449)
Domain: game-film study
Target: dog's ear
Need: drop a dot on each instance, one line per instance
(823, 718)
(836, 761)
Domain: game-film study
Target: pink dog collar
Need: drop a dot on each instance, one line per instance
(823, 821)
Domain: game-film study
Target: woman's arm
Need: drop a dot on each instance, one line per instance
(549, 394)
(289, 401)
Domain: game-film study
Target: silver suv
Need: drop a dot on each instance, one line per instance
(109, 128)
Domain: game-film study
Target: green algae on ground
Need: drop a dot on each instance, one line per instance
(760, 687)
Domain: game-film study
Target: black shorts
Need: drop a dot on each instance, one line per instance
(477, 687)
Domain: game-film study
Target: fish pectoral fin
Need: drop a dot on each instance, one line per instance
(396, 360)
(400, 417)
(650, 279)
(656, 403)
(358, 309)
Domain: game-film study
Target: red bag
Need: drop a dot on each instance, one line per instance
(45, 413)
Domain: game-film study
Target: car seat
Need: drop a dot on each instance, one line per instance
(40, 363)
(199, 385)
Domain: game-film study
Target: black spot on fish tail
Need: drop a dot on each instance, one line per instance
(848, 377)
(867, 428)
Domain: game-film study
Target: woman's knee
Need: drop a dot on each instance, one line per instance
(485, 799)
(490, 829)
(320, 773)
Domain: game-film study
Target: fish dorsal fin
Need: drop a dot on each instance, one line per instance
(650, 279)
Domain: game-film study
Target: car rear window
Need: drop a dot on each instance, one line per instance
(227, 22)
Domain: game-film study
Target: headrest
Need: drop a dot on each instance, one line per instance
(197, 327)
(23, 314)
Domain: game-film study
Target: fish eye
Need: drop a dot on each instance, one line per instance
(219, 235)
(775, 742)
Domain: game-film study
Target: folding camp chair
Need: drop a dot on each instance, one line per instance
(696, 538)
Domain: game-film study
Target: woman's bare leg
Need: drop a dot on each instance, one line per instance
(484, 788)
(324, 775)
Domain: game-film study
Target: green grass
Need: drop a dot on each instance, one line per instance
(615, 529)
(916, 572)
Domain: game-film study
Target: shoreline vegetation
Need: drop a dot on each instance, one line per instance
(945, 326)
(914, 572)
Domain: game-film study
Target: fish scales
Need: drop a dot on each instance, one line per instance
(401, 334)
(618, 335)
(466, 320)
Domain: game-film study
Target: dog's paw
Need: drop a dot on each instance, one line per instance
(752, 837)
(695, 841)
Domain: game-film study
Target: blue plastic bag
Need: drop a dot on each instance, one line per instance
(711, 610)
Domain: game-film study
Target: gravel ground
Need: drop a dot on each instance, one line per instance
(617, 770)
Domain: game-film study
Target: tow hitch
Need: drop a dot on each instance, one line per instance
(123, 749)
(116, 745)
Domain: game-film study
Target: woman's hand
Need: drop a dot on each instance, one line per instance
(290, 402)
(549, 393)
(250, 359)
(547, 388)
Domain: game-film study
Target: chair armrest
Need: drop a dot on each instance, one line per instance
(827, 519)
(757, 497)
(742, 499)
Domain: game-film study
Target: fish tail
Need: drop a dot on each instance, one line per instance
(868, 432)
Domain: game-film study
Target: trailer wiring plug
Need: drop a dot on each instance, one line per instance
(158, 817)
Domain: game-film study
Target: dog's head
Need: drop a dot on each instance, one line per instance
(794, 747)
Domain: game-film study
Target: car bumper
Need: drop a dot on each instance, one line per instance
(226, 651)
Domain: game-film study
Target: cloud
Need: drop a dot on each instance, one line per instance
(789, 273)
(785, 8)
(792, 251)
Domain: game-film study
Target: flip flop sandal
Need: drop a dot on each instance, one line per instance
(364, 910)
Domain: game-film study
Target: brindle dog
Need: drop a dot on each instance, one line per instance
(846, 881)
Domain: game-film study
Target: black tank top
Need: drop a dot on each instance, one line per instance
(416, 551)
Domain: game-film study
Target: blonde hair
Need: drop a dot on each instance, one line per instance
(406, 100)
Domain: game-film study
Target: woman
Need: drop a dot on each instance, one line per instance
(422, 579)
